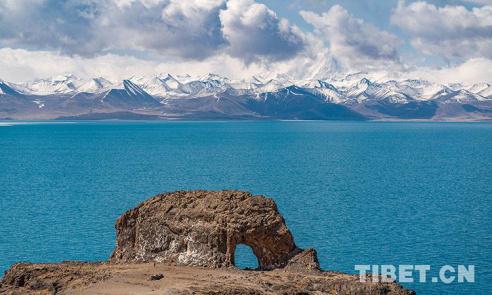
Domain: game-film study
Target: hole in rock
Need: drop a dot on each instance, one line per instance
(244, 258)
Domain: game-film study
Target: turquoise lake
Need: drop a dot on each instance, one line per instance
(360, 193)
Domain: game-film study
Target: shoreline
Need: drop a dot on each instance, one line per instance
(159, 278)
(10, 122)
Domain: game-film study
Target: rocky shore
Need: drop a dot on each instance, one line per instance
(184, 243)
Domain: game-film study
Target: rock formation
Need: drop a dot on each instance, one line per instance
(203, 228)
(160, 241)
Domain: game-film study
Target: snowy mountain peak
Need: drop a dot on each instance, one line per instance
(95, 85)
(326, 85)
(353, 88)
(2, 85)
(257, 79)
(132, 88)
(64, 84)
(171, 82)
(483, 89)
(214, 78)
(6, 88)
(365, 82)
(174, 96)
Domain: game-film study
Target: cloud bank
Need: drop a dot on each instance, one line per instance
(238, 38)
(192, 29)
(351, 39)
(449, 31)
(255, 32)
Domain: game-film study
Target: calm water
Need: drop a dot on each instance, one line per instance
(360, 193)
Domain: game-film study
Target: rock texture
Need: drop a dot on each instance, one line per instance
(132, 279)
(27, 278)
(203, 228)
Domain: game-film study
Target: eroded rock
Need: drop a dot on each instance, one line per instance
(203, 228)
(195, 228)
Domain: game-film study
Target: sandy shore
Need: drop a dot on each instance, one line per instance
(105, 278)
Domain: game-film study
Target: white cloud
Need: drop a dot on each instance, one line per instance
(192, 29)
(186, 29)
(237, 38)
(472, 71)
(449, 31)
(254, 32)
(63, 25)
(23, 65)
(352, 40)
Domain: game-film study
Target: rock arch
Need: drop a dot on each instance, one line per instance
(202, 228)
(247, 256)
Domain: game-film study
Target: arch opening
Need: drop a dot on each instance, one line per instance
(244, 258)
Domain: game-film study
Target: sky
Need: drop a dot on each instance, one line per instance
(443, 41)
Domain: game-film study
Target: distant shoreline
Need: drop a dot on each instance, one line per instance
(151, 118)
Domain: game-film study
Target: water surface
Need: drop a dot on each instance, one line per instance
(360, 193)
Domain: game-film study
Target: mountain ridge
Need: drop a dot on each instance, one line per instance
(213, 96)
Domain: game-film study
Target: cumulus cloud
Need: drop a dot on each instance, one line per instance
(49, 24)
(188, 29)
(453, 32)
(192, 29)
(351, 39)
(237, 38)
(255, 32)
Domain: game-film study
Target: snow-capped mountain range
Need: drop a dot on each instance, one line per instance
(344, 90)
(211, 96)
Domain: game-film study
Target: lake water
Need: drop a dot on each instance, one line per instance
(360, 193)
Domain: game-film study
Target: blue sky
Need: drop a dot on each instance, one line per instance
(301, 38)
(377, 12)
(373, 11)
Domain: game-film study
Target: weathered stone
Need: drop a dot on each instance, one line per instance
(203, 228)
(26, 278)
(306, 260)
